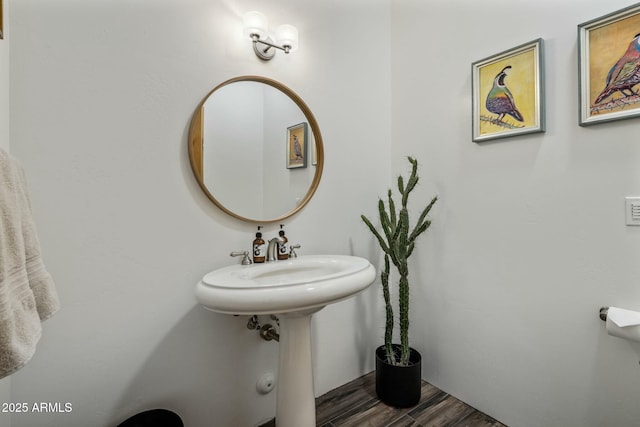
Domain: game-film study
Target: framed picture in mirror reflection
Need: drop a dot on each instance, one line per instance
(297, 146)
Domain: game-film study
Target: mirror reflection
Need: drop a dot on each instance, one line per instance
(256, 149)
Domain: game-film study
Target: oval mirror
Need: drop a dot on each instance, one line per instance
(255, 149)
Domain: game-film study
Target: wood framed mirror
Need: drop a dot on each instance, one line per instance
(255, 149)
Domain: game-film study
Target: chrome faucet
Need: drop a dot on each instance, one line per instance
(272, 249)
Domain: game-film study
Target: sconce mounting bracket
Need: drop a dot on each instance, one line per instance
(264, 48)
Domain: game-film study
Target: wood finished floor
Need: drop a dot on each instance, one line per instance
(355, 405)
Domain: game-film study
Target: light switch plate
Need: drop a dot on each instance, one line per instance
(632, 208)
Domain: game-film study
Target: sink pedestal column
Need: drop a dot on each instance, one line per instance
(296, 403)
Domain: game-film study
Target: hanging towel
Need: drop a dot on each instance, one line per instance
(27, 291)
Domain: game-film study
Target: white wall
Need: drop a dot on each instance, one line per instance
(5, 383)
(528, 240)
(102, 95)
(233, 149)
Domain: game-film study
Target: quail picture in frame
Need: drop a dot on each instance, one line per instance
(508, 93)
(297, 146)
(609, 67)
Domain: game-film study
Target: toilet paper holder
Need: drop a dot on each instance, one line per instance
(603, 313)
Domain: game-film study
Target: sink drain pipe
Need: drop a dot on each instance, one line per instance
(267, 332)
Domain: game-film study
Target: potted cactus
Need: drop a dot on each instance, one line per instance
(398, 366)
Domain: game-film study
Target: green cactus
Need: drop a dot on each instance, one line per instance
(397, 243)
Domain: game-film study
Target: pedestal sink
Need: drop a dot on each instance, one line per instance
(293, 289)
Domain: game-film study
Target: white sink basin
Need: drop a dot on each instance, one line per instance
(299, 284)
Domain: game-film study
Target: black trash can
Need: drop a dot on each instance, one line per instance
(154, 418)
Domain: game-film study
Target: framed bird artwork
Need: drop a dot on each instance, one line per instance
(508, 93)
(297, 146)
(609, 67)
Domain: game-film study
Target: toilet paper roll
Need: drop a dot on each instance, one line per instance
(623, 323)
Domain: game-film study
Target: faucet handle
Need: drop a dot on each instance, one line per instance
(292, 251)
(245, 257)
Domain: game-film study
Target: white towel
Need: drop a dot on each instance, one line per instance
(27, 291)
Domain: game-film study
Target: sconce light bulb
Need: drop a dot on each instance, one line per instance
(255, 25)
(287, 36)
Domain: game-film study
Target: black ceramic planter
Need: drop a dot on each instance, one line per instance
(398, 386)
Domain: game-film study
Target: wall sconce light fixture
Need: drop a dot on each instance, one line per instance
(256, 27)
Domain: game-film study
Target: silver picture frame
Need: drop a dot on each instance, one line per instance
(508, 93)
